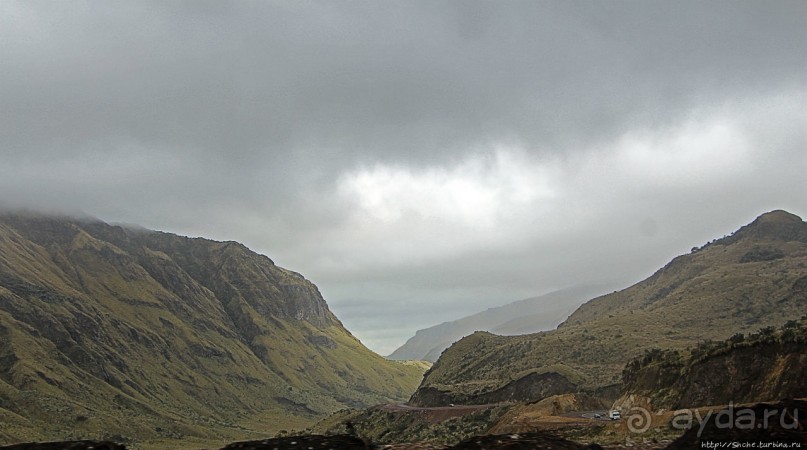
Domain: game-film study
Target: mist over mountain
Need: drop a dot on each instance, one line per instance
(420, 162)
(149, 336)
(755, 277)
(530, 315)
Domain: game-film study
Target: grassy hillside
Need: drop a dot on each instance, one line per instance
(756, 277)
(155, 339)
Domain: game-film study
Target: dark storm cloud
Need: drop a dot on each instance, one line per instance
(267, 121)
(263, 80)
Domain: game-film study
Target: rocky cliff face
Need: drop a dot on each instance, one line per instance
(764, 425)
(754, 278)
(767, 365)
(523, 389)
(152, 336)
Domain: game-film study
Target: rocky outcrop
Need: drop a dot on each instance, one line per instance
(754, 373)
(309, 442)
(763, 366)
(765, 425)
(524, 441)
(530, 387)
(67, 445)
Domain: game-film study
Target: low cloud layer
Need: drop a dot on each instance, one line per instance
(418, 161)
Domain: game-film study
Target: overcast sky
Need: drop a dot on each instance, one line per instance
(418, 161)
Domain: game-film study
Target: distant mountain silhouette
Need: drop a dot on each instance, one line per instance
(522, 317)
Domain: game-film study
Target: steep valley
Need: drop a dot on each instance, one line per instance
(160, 341)
(148, 337)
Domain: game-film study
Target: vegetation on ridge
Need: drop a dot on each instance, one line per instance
(765, 365)
(141, 336)
(713, 293)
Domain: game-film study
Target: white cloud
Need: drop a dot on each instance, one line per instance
(507, 199)
(476, 193)
(693, 154)
(410, 215)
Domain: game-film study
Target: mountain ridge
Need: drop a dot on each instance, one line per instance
(156, 337)
(748, 280)
(520, 317)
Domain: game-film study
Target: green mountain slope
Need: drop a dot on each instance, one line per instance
(148, 336)
(756, 277)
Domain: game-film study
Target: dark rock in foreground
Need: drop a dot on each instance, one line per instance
(524, 441)
(313, 442)
(783, 424)
(67, 445)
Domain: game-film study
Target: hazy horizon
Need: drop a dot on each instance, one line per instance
(417, 161)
